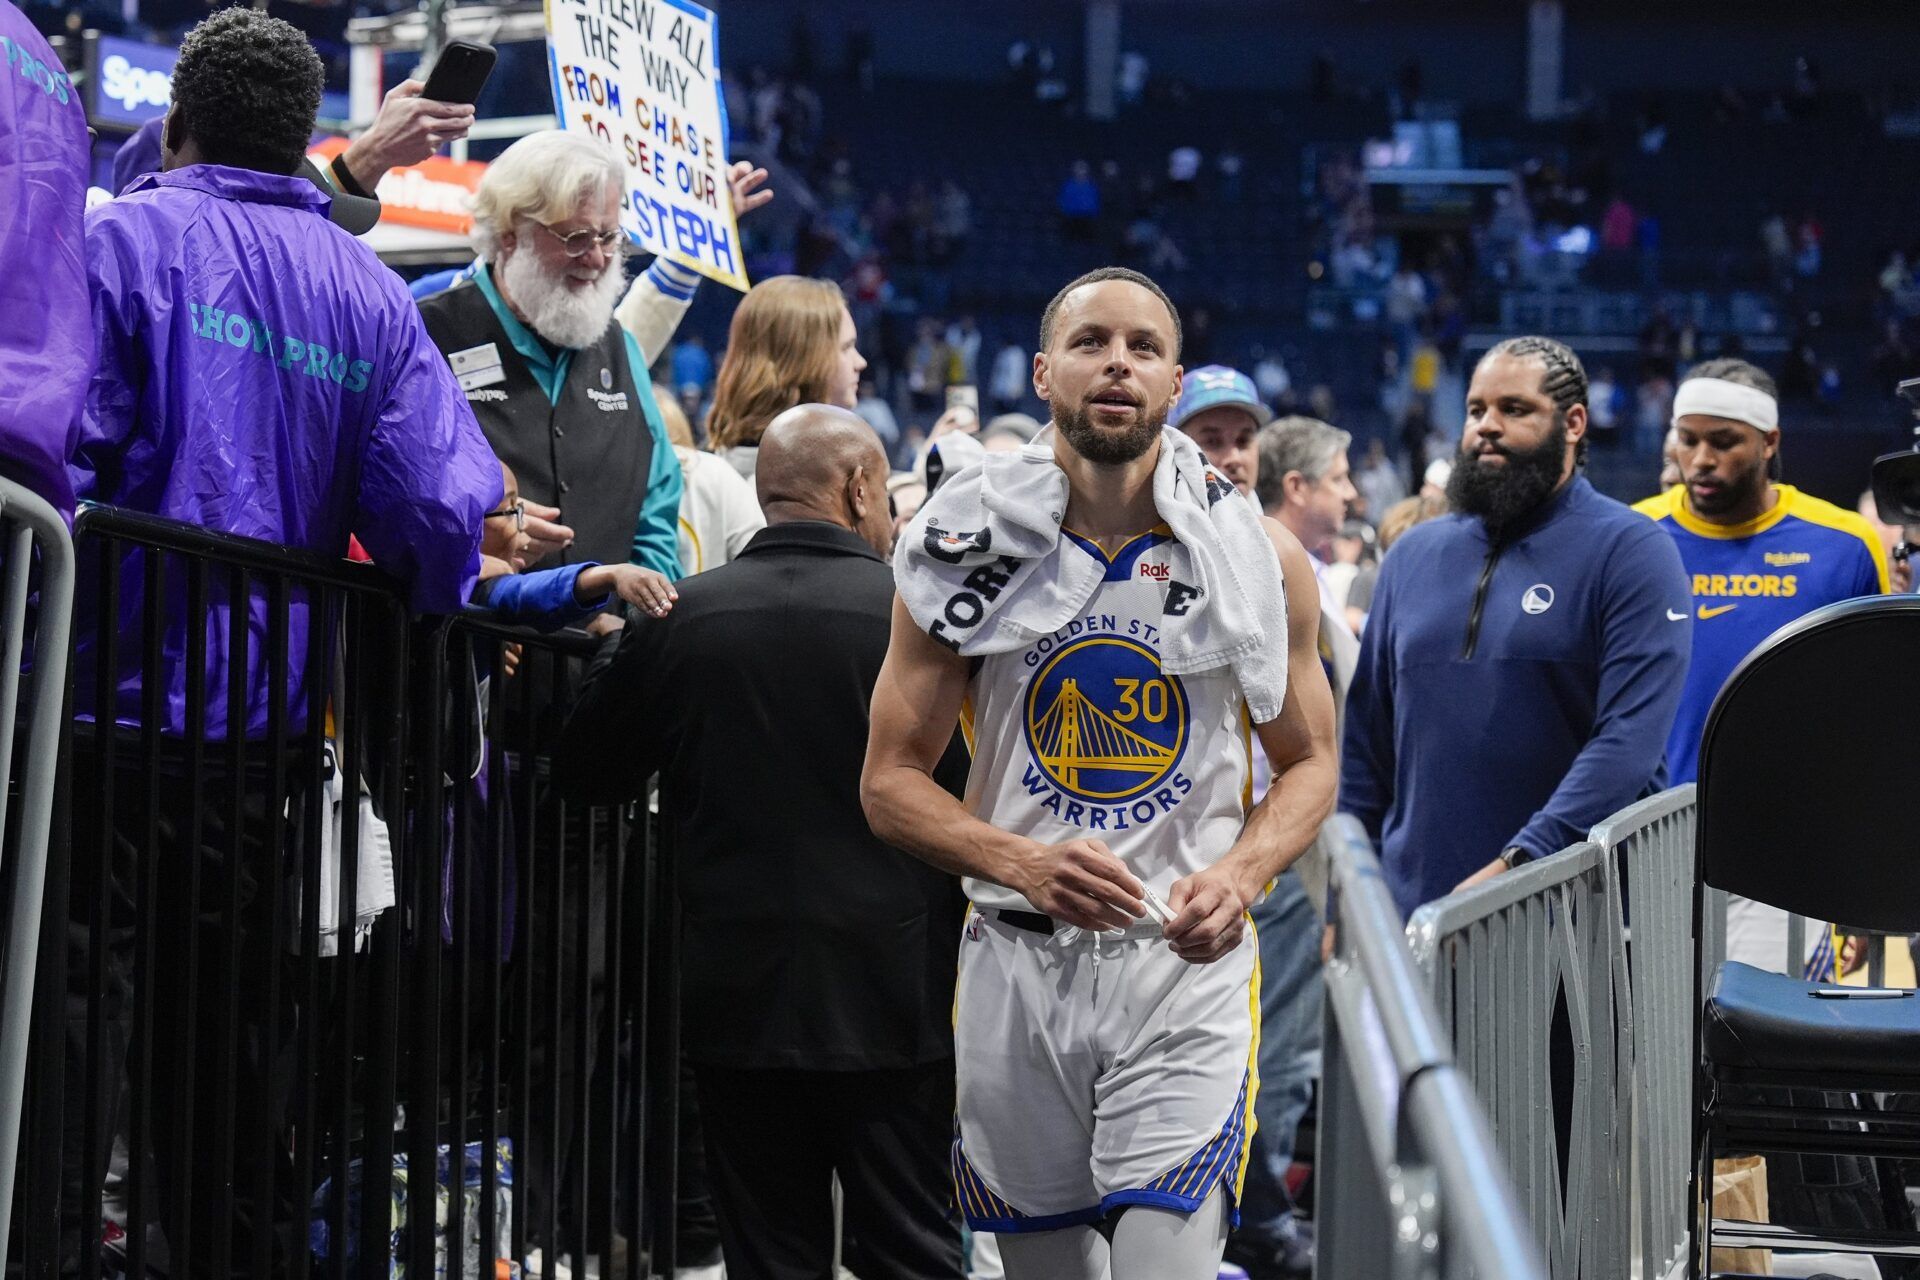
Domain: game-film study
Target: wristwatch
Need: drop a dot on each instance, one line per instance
(1515, 856)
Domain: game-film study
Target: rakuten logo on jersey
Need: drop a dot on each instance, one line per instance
(134, 87)
(1156, 572)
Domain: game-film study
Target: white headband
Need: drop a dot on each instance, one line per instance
(1718, 398)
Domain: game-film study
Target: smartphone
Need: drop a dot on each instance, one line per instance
(969, 397)
(460, 73)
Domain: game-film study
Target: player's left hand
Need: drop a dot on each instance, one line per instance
(1209, 915)
(743, 181)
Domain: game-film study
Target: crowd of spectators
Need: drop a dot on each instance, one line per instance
(892, 246)
(1589, 213)
(1896, 314)
(1135, 213)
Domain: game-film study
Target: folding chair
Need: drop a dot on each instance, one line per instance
(1806, 799)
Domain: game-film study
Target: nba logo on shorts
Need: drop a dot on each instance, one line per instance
(1104, 724)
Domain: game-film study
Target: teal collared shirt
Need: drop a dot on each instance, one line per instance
(656, 538)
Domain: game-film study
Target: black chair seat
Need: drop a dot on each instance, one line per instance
(1760, 1021)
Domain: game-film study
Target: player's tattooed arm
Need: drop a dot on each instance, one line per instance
(1210, 906)
(916, 704)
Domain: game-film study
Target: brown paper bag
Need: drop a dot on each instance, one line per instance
(1740, 1191)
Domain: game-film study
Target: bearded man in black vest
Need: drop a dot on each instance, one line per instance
(560, 389)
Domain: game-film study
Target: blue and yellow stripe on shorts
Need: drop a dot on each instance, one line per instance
(985, 1211)
(1188, 1183)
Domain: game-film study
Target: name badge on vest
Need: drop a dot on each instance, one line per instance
(609, 401)
(477, 366)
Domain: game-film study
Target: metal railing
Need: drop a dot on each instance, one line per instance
(239, 1066)
(553, 975)
(33, 542)
(1415, 1188)
(1647, 849)
(1523, 977)
(1568, 989)
(332, 980)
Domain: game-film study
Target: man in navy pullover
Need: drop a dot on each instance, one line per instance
(1525, 655)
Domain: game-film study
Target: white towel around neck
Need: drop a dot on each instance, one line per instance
(980, 567)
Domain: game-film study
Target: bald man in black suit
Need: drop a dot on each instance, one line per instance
(819, 962)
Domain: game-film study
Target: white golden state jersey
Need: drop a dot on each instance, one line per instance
(1080, 734)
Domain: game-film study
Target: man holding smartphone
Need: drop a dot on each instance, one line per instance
(410, 126)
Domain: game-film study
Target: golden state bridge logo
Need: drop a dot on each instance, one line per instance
(1106, 729)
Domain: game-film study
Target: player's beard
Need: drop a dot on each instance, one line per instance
(572, 318)
(1501, 495)
(1730, 494)
(1110, 446)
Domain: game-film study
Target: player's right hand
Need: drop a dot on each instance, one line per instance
(1081, 883)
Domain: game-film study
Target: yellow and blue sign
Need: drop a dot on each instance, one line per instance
(643, 76)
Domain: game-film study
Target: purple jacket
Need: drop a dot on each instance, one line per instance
(46, 345)
(262, 373)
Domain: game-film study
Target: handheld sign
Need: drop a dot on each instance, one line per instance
(643, 76)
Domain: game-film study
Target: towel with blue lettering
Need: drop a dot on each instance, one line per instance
(979, 569)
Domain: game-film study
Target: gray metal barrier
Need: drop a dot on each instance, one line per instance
(1568, 988)
(1508, 961)
(32, 537)
(1410, 1180)
(1648, 851)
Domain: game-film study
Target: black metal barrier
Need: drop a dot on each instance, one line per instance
(461, 1060)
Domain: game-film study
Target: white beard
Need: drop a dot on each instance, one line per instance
(563, 316)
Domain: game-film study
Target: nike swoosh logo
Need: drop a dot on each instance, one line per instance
(1675, 616)
(1716, 610)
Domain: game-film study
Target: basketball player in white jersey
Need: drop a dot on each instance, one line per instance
(1105, 1059)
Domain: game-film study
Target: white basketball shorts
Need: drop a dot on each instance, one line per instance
(1098, 1071)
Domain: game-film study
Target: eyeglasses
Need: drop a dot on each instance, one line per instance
(580, 242)
(518, 511)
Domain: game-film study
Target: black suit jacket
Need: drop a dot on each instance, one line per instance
(808, 942)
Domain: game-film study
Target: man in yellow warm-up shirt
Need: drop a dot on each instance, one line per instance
(1758, 555)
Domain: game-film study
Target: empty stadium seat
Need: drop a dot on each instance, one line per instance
(1805, 797)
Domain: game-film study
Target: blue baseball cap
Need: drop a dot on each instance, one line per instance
(1212, 386)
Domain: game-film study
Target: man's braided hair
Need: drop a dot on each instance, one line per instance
(248, 88)
(1565, 379)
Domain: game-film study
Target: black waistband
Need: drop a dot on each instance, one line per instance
(1031, 921)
